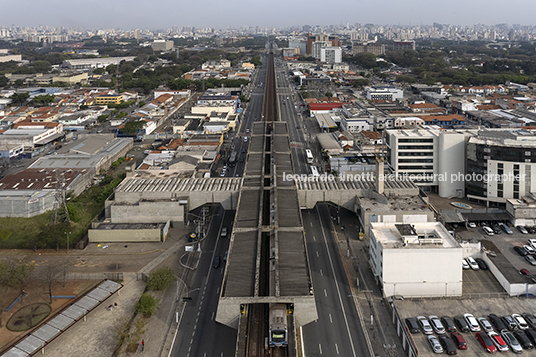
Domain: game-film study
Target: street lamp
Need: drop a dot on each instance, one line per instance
(67, 241)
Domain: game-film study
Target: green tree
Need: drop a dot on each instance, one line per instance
(256, 61)
(19, 98)
(161, 279)
(3, 81)
(98, 71)
(5, 234)
(132, 127)
(102, 118)
(329, 94)
(42, 66)
(43, 99)
(146, 304)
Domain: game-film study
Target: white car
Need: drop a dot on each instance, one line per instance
(425, 325)
(465, 265)
(488, 231)
(529, 249)
(472, 225)
(434, 343)
(486, 325)
(472, 263)
(532, 243)
(512, 341)
(498, 341)
(520, 321)
(437, 325)
(472, 322)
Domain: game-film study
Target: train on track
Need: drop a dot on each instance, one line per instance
(278, 332)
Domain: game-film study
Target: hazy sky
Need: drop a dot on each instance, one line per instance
(162, 14)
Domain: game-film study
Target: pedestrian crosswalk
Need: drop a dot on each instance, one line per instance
(297, 143)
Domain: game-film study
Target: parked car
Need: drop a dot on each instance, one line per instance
(472, 263)
(523, 340)
(460, 341)
(472, 225)
(496, 322)
(448, 345)
(522, 229)
(531, 319)
(498, 341)
(425, 325)
(532, 243)
(529, 249)
(465, 265)
(488, 231)
(472, 322)
(486, 326)
(482, 264)
(511, 341)
(496, 230)
(532, 230)
(461, 323)
(486, 342)
(436, 324)
(520, 250)
(530, 259)
(506, 229)
(448, 324)
(520, 321)
(509, 322)
(531, 334)
(435, 344)
(524, 271)
(412, 325)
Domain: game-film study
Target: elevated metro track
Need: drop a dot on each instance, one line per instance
(267, 261)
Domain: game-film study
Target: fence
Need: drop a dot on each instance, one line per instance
(95, 276)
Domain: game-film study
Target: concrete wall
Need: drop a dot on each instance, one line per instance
(422, 272)
(124, 235)
(148, 212)
(452, 163)
(26, 206)
(344, 198)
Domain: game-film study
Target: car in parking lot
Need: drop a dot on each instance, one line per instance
(465, 265)
(532, 230)
(511, 341)
(425, 325)
(436, 324)
(532, 243)
(496, 230)
(529, 249)
(460, 341)
(505, 228)
(520, 322)
(520, 250)
(531, 334)
(496, 322)
(486, 326)
(482, 264)
(435, 344)
(498, 341)
(448, 345)
(472, 322)
(523, 340)
(488, 231)
(461, 323)
(472, 225)
(524, 271)
(522, 229)
(486, 342)
(412, 325)
(509, 322)
(531, 319)
(530, 259)
(472, 263)
(448, 324)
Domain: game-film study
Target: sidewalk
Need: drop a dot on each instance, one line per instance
(375, 316)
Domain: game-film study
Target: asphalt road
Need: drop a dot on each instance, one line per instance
(337, 332)
(199, 334)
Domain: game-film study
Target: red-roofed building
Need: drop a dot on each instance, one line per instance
(445, 121)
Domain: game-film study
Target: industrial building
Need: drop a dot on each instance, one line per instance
(92, 63)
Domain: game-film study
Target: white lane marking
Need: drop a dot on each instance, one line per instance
(320, 348)
(314, 238)
(337, 348)
(330, 318)
(311, 223)
(317, 253)
(321, 273)
(325, 293)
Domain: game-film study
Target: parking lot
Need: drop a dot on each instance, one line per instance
(477, 307)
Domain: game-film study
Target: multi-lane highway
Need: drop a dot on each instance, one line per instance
(337, 332)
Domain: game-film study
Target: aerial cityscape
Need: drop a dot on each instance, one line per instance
(360, 188)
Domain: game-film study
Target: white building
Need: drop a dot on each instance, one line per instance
(383, 93)
(417, 260)
(10, 150)
(318, 46)
(331, 55)
(92, 63)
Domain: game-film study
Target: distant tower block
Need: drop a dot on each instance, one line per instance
(379, 175)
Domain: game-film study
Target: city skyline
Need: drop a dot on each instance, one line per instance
(136, 14)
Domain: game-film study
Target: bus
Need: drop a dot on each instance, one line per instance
(232, 160)
(314, 171)
(309, 155)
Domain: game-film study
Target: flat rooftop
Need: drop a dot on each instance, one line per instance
(429, 235)
(171, 182)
